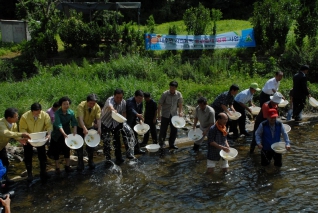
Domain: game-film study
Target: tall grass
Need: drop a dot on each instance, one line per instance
(129, 73)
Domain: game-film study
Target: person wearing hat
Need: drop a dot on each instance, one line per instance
(87, 112)
(262, 115)
(240, 105)
(270, 87)
(270, 132)
(301, 91)
(170, 104)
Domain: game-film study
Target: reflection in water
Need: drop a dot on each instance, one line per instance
(178, 183)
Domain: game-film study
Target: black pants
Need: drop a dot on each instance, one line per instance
(89, 150)
(263, 97)
(241, 120)
(153, 132)
(107, 135)
(57, 147)
(163, 131)
(298, 106)
(4, 157)
(28, 154)
(267, 156)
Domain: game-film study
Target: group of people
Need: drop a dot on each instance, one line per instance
(214, 123)
(267, 129)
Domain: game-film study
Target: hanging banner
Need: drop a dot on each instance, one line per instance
(200, 42)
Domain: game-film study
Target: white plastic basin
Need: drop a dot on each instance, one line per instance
(141, 129)
(178, 121)
(92, 139)
(283, 103)
(229, 155)
(313, 102)
(255, 110)
(287, 127)
(195, 135)
(74, 142)
(38, 135)
(37, 142)
(234, 116)
(152, 147)
(118, 117)
(279, 147)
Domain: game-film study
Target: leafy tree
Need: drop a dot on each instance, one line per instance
(43, 20)
(306, 21)
(151, 24)
(272, 20)
(197, 19)
(216, 15)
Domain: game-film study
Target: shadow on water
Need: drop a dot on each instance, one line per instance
(178, 183)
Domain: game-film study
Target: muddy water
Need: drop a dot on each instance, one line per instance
(178, 183)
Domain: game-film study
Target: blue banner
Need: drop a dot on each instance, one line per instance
(200, 42)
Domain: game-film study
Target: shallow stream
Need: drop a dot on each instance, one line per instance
(178, 183)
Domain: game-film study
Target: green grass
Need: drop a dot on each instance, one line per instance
(129, 73)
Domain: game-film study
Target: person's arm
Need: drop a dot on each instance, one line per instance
(232, 108)
(159, 111)
(258, 136)
(180, 109)
(80, 115)
(155, 116)
(48, 125)
(225, 109)
(224, 148)
(285, 136)
(245, 106)
(6, 204)
(74, 123)
(195, 122)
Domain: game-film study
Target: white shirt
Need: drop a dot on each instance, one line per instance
(270, 85)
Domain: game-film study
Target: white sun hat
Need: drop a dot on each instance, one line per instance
(277, 98)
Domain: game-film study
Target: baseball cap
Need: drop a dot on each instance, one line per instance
(272, 113)
(255, 86)
(304, 67)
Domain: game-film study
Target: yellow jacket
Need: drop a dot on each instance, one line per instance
(88, 117)
(29, 125)
(7, 132)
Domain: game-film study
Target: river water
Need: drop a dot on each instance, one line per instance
(178, 183)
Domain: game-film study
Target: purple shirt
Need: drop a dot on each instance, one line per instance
(51, 114)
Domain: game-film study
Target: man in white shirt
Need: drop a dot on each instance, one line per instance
(270, 87)
(241, 103)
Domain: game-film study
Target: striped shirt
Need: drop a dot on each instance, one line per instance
(107, 119)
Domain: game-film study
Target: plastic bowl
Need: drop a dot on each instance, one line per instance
(38, 135)
(195, 135)
(234, 116)
(283, 104)
(37, 142)
(287, 127)
(255, 110)
(178, 122)
(118, 117)
(152, 147)
(313, 102)
(74, 142)
(229, 155)
(141, 129)
(92, 139)
(279, 147)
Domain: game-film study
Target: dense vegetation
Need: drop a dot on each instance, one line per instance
(36, 75)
